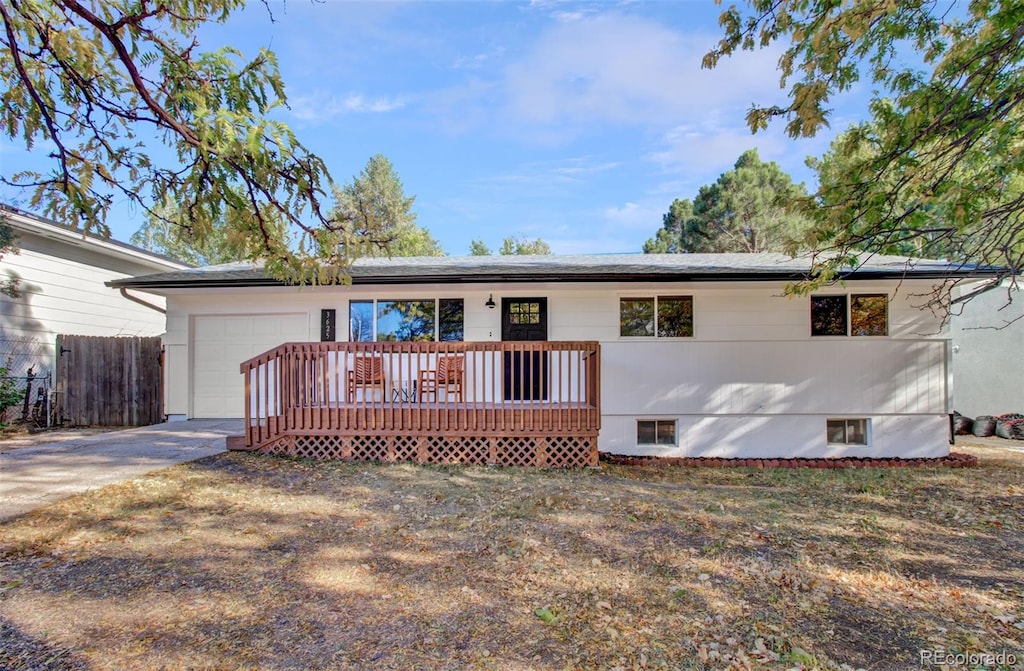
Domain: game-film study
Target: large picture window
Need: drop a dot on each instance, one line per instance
(659, 317)
(856, 314)
(414, 320)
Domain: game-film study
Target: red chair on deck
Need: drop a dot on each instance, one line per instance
(367, 372)
(449, 375)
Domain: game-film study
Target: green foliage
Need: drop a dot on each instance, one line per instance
(8, 245)
(168, 231)
(669, 237)
(378, 216)
(99, 83)
(546, 615)
(10, 394)
(512, 247)
(746, 210)
(478, 248)
(942, 158)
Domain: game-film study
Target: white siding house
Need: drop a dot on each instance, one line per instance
(62, 279)
(746, 378)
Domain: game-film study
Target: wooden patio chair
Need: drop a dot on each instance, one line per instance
(367, 372)
(449, 375)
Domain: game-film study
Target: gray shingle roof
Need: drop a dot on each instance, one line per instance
(578, 268)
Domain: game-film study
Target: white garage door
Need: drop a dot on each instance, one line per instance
(220, 343)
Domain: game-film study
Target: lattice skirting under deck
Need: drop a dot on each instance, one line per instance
(547, 451)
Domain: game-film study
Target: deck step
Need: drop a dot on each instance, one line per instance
(237, 444)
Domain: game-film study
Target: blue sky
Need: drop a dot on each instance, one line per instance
(574, 122)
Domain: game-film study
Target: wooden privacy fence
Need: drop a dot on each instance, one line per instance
(512, 403)
(109, 381)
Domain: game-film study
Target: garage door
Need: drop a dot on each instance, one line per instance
(220, 343)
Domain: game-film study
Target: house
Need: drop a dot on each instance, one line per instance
(988, 352)
(559, 356)
(62, 277)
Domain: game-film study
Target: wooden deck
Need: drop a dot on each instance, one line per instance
(512, 403)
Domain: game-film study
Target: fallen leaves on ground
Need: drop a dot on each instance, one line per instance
(243, 561)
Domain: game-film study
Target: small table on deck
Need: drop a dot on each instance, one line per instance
(402, 391)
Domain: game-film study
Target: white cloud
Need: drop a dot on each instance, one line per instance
(319, 107)
(358, 103)
(708, 146)
(563, 11)
(635, 216)
(628, 70)
(566, 17)
(478, 61)
(696, 154)
(548, 175)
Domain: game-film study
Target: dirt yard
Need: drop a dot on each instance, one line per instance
(248, 562)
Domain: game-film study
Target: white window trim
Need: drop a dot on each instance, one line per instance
(867, 431)
(675, 431)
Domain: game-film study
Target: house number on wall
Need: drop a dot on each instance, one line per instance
(327, 325)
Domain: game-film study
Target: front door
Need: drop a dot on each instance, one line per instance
(526, 373)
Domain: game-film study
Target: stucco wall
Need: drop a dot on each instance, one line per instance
(988, 354)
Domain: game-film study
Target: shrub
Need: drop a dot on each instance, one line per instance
(10, 395)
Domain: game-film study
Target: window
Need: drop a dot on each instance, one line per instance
(524, 313)
(656, 432)
(636, 317)
(407, 320)
(847, 431)
(674, 317)
(360, 321)
(451, 319)
(867, 315)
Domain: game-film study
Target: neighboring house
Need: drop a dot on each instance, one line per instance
(988, 353)
(62, 276)
(677, 355)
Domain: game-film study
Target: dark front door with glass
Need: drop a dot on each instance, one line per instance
(526, 373)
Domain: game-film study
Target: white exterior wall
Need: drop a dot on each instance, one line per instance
(751, 382)
(63, 292)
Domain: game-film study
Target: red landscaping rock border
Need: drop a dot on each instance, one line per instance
(952, 460)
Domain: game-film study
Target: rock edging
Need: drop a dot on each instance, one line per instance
(952, 460)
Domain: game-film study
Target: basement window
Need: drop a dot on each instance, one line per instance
(656, 432)
(848, 431)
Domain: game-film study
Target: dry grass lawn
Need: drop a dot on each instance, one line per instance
(249, 562)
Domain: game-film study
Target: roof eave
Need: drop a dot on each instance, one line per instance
(525, 278)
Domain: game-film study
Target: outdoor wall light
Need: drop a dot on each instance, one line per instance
(490, 301)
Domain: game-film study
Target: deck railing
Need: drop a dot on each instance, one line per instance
(394, 388)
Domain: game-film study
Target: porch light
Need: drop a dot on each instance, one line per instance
(490, 301)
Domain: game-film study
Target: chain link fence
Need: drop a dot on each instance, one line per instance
(20, 355)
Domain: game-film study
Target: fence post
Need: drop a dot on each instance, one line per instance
(29, 376)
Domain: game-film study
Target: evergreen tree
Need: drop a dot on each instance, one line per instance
(746, 210)
(378, 216)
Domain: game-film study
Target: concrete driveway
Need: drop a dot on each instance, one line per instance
(32, 477)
